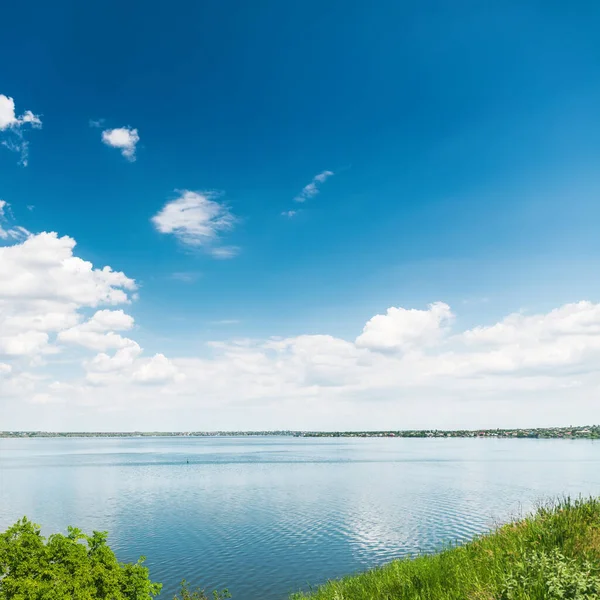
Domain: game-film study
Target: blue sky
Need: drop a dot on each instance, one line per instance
(463, 141)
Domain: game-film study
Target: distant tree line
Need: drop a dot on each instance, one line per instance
(583, 431)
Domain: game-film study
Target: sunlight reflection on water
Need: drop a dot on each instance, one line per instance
(266, 516)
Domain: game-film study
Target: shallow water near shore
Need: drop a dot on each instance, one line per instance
(267, 516)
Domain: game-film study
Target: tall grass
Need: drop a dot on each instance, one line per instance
(551, 555)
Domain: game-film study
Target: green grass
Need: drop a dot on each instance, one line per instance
(551, 555)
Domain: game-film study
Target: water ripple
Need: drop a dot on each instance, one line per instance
(268, 516)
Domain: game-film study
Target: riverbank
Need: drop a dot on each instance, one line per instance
(554, 554)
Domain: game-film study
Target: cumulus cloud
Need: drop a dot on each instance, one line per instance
(43, 290)
(43, 268)
(55, 306)
(198, 220)
(410, 353)
(570, 320)
(98, 332)
(67, 345)
(93, 340)
(9, 119)
(12, 127)
(123, 138)
(289, 213)
(158, 369)
(565, 339)
(102, 367)
(26, 343)
(312, 189)
(402, 329)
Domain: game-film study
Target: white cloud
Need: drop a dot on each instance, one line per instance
(581, 318)
(103, 363)
(312, 189)
(93, 340)
(223, 252)
(45, 293)
(123, 138)
(42, 321)
(43, 268)
(289, 213)
(62, 347)
(98, 333)
(5, 369)
(12, 126)
(11, 233)
(158, 369)
(110, 320)
(321, 177)
(197, 220)
(9, 119)
(566, 338)
(27, 343)
(44, 288)
(402, 329)
(186, 276)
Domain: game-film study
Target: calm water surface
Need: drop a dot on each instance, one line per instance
(266, 516)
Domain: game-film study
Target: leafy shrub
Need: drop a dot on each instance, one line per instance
(75, 566)
(198, 594)
(552, 576)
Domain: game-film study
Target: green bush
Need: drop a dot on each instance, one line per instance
(75, 566)
(198, 594)
(552, 576)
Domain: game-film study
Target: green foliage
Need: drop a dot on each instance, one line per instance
(552, 555)
(198, 594)
(552, 576)
(75, 566)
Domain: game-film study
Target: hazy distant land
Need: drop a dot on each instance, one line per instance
(571, 432)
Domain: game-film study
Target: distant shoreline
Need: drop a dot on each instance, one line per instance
(571, 432)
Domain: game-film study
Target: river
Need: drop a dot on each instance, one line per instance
(270, 515)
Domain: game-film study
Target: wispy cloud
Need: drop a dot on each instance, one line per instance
(16, 233)
(186, 276)
(289, 213)
(226, 322)
(12, 127)
(97, 123)
(123, 138)
(198, 220)
(224, 252)
(312, 189)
